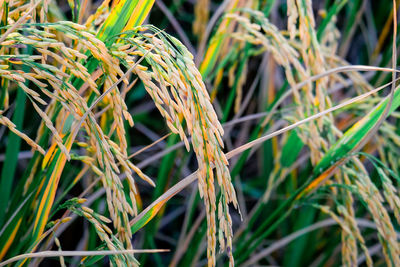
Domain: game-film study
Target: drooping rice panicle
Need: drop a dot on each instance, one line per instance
(178, 91)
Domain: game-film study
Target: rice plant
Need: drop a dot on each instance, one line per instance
(157, 133)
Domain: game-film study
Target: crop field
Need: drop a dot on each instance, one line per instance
(199, 133)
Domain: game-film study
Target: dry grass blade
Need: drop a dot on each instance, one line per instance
(148, 146)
